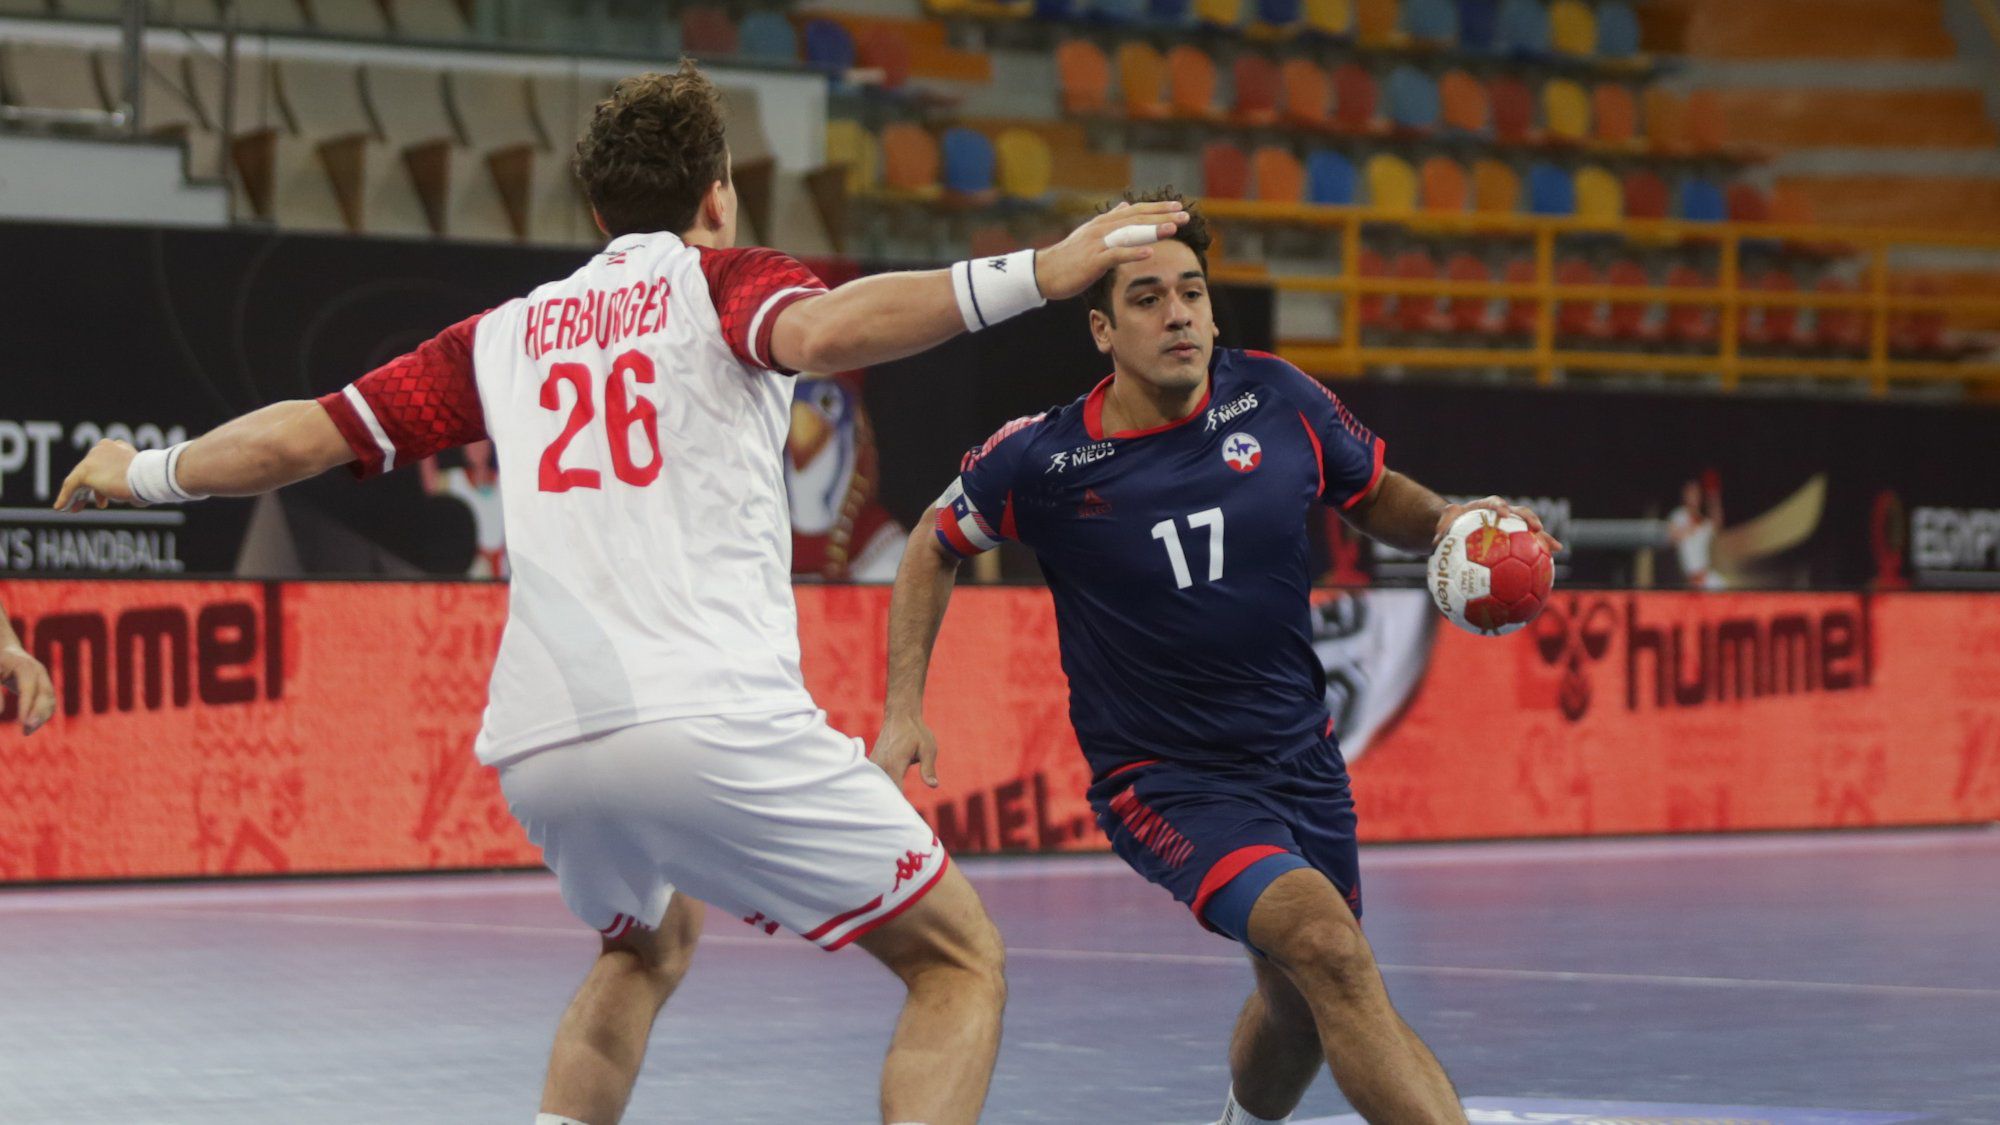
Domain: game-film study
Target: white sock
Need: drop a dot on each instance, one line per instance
(1233, 1114)
(556, 1119)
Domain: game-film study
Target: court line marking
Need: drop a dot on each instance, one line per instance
(1043, 954)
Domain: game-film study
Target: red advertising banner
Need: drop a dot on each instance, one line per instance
(256, 728)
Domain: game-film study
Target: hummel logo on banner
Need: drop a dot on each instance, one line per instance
(1093, 504)
(997, 263)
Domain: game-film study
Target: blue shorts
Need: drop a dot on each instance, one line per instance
(1217, 835)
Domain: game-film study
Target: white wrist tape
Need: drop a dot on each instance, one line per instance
(992, 289)
(153, 477)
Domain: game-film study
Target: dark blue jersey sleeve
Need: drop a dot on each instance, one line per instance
(1350, 454)
(977, 511)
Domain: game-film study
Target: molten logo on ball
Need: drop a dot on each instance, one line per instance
(1490, 574)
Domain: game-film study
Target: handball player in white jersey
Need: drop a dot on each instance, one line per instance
(646, 713)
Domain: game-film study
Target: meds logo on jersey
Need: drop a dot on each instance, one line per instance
(1241, 452)
(1081, 455)
(1240, 405)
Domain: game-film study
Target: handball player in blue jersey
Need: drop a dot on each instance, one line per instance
(1168, 508)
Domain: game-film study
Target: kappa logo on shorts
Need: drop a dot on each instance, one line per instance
(768, 925)
(909, 867)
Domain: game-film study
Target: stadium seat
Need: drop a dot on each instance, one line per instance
(1191, 83)
(1374, 306)
(1378, 23)
(1027, 165)
(1279, 176)
(971, 168)
(1221, 14)
(1478, 24)
(1356, 99)
(495, 110)
(1083, 77)
(50, 76)
(1572, 28)
(1617, 30)
(1665, 120)
(1442, 185)
(1790, 205)
(767, 37)
(1225, 171)
(1565, 111)
(173, 109)
(1917, 332)
(1142, 80)
(1842, 330)
(1599, 197)
(1496, 189)
(882, 47)
(408, 105)
(1432, 22)
(324, 164)
(428, 20)
(1630, 322)
(1329, 18)
(1513, 106)
(1308, 94)
(991, 241)
(1579, 319)
(1392, 183)
(1707, 131)
(1416, 313)
(910, 159)
(1464, 102)
(1170, 13)
(1119, 12)
(1057, 11)
(1551, 190)
(1646, 195)
(1278, 15)
(1518, 315)
(851, 145)
(1257, 84)
(1469, 316)
(1330, 179)
(828, 46)
(1772, 326)
(1614, 115)
(1523, 28)
(1693, 325)
(362, 20)
(1702, 201)
(1746, 203)
(1414, 105)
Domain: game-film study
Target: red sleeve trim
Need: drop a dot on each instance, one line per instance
(1319, 454)
(1007, 517)
(761, 346)
(1381, 451)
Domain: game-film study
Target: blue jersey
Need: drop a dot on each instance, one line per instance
(1178, 557)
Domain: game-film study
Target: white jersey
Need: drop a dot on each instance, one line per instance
(638, 423)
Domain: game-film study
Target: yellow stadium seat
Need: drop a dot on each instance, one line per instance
(1377, 23)
(847, 142)
(1598, 195)
(1573, 28)
(1026, 164)
(1392, 183)
(1496, 189)
(1329, 17)
(1219, 13)
(1566, 110)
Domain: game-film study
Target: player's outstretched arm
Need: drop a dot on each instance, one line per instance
(892, 315)
(916, 610)
(26, 677)
(256, 453)
(1410, 517)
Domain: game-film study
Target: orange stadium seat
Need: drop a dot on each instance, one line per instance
(1308, 94)
(910, 158)
(1225, 171)
(1464, 100)
(1706, 128)
(1614, 114)
(1377, 23)
(1083, 77)
(884, 47)
(1142, 80)
(1191, 83)
(1279, 175)
(1666, 121)
(1496, 188)
(1442, 185)
(1258, 86)
(707, 32)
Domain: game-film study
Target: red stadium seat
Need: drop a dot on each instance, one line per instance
(1772, 326)
(1257, 87)
(1646, 195)
(1839, 330)
(1513, 105)
(1519, 316)
(1630, 322)
(1225, 171)
(1469, 316)
(1356, 98)
(1374, 306)
(1416, 313)
(1747, 203)
(1578, 318)
(1693, 325)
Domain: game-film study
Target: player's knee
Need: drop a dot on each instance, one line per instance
(972, 959)
(1329, 954)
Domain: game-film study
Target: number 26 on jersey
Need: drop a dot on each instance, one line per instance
(623, 411)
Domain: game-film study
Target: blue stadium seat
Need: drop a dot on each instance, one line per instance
(1524, 28)
(969, 163)
(1170, 13)
(769, 36)
(1413, 99)
(1330, 178)
(1279, 13)
(1432, 21)
(1551, 190)
(829, 46)
(1703, 201)
(1056, 11)
(1617, 30)
(1478, 24)
(1118, 11)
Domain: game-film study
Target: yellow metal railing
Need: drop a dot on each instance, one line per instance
(1350, 354)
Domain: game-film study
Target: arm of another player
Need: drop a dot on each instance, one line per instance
(26, 676)
(916, 609)
(1406, 515)
(877, 319)
(263, 450)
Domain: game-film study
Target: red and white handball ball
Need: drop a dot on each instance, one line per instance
(1490, 575)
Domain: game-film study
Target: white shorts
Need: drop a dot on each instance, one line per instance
(780, 820)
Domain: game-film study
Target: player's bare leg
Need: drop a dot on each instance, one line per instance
(949, 956)
(1387, 1073)
(1274, 1053)
(602, 1038)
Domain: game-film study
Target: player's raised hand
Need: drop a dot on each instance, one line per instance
(1494, 503)
(99, 478)
(1123, 234)
(26, 676)
(905, 739)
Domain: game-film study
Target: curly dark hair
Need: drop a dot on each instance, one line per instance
(1194, 234)
(652, 150)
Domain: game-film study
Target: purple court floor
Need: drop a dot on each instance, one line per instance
(1557, 981)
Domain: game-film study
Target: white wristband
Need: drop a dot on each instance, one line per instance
(992, 289)
(153, 477)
